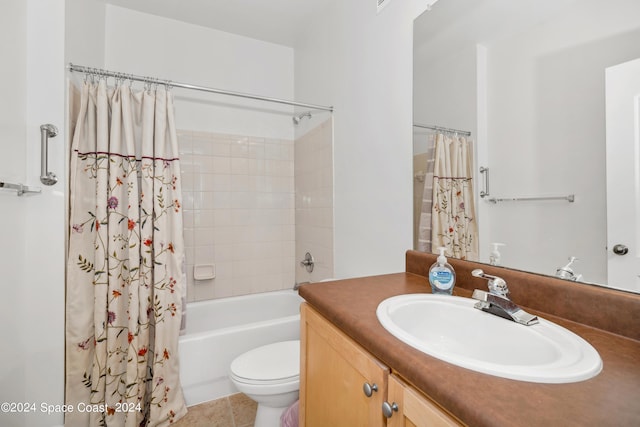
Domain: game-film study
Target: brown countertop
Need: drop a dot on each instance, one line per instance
(612, 398)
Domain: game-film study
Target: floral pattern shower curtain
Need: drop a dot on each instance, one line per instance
(425, 222)
(124, 270)
(454, 225)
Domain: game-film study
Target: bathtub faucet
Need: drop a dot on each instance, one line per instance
(308, 262)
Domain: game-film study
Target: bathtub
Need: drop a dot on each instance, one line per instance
(220, 330)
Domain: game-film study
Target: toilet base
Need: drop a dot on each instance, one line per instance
(268, 416)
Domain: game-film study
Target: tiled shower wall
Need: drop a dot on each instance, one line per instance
(239, 213)
(314, 201)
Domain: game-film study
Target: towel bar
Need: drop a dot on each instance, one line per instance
(570, 198)
(20, 188)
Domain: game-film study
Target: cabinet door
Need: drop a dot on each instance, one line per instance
(414, 409)
(333, 371)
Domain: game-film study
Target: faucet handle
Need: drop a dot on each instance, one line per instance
(497, 285)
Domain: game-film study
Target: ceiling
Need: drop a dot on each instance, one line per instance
(275, 21)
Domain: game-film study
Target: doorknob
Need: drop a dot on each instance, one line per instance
(620, 249)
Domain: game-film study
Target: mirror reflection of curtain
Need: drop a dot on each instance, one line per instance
(424, 227)
(124, 270)
(453, 216)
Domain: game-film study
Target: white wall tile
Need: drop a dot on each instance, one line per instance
(221, 165)
(240, 212)
(313, 229)
(239, 166)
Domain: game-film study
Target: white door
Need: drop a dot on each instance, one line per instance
(623, 175)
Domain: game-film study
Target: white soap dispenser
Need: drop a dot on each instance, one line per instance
(494, 256)
(442, 276)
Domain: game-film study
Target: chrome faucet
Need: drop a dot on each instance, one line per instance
(567, 272)
(497, 301)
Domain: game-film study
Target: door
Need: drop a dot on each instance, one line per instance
(623, 175)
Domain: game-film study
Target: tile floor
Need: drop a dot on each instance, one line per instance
(236, 410)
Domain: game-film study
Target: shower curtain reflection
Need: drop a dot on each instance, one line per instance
(454, 224)
(444, 208)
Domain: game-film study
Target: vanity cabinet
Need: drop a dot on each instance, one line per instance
(341, 384)
(410, 408)
(336, 377)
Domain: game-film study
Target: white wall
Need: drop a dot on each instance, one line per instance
(186, 53)
(32, 228)
(445, 90)
(84, 33)
(361, 62)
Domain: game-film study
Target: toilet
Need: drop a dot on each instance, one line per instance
(270, 375)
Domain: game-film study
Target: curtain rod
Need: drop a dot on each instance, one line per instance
(118, 75)
(443, 129)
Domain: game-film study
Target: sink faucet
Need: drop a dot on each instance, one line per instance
(567, 272)
(497, 301)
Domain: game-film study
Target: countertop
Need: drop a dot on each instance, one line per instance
(612, 398)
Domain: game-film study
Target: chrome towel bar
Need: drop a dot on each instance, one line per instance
(20, 188)
(570, 198)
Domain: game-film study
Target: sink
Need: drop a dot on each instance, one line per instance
(451, 329)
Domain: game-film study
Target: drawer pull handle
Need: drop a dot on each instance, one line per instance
(369, 389)
(389, 409)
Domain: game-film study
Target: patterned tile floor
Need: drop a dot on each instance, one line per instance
(236, 410)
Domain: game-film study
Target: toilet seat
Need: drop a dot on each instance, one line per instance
(272, 364)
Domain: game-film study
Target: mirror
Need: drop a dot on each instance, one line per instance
(527, 79)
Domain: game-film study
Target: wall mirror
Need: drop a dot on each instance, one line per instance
(532, 81)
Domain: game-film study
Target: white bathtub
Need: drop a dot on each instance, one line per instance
(220, 330)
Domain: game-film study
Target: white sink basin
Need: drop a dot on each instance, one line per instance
(451, 329)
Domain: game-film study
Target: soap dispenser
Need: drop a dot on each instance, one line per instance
(442, 276)
(494, 256)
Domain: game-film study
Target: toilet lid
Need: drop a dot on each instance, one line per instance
(278, 361)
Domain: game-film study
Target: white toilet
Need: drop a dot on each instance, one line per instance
(270, 375)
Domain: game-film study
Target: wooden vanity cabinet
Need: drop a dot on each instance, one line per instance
(333, 373)
(411, 408)
(336, 374)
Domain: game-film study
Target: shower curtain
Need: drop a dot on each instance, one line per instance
(424, 225)
(124, 269)
(454, 225)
